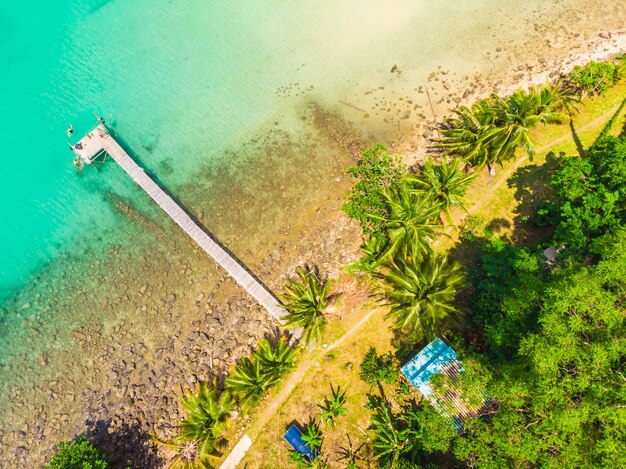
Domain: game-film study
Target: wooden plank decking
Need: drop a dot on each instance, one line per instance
(99, 139)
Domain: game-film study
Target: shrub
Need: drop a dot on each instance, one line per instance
(473, 226)
(78, 455)
(378, 368)
(595, 77)
(376, 172)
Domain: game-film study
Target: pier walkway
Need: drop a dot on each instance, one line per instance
(99, 143)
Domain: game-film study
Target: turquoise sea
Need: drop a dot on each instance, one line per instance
(186, 83)
(186, 79)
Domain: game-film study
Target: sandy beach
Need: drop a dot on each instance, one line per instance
(173, 318)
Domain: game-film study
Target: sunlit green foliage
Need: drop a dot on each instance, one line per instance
(444, 182)
(251, 377)
(597, 77)
(305, 298)
(492, 129)
(207, 416)
(80, 454)
(334, 406)
(376, 173)
(421, 294)
(593, 192)
(379, 368)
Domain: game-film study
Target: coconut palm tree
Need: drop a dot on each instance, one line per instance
(519, 113)
(275, 361)
(207, 416)
(248, 381)
(465, 134)
(410, 225)
(445, 183)
(186, 455)
(421, 293)
(304, 299)
(490, 132)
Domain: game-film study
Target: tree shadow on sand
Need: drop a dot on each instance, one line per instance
(532, 190)
(126, 446)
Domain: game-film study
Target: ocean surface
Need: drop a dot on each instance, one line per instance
(182, 81)
(187, 84)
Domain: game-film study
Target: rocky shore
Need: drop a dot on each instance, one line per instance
(178, 318)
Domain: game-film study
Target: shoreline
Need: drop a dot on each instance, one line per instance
(311, 238)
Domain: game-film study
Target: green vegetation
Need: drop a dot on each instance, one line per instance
(445, 183)
(593, 191)
(597, 77)
(376, 173)
(252, 376)
(541, 341)
(312, 435)
(410, 224)
(305, 300)
(207, 416)
(333, 407)
(379, 368)
(200, 432)
(490, 131)
(421, 294)
(80, 454)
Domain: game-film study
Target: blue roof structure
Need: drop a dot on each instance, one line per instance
(427, 363)
(435, 358)
(294, 438)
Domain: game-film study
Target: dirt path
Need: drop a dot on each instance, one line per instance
(297, 376)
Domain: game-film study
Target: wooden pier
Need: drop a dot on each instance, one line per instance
(98, 144)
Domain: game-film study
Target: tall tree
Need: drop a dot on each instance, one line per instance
(444, 182)
(491, 131)
(465, 135)
(207, 416)
(410, 223)
(421, 293)
(305, 299)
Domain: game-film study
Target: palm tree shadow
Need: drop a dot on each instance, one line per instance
(579, 145)
(125, 446)
(533, 188)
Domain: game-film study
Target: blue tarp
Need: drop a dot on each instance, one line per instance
(427, 363)
(294, 438)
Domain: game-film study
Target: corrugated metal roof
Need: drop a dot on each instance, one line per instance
(427, 363)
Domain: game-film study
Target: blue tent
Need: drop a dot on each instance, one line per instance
(294, 438)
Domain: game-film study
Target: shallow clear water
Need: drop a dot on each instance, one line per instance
(185, 80)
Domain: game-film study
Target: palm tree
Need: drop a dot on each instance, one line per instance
(445, 183)
(493, 128)
(305, 300)
(465, 135)
(421, 293)
(207, 416)
(410, 224)
(390, 442)
(249, 381)
(333, 407)
(275, 361)
(519, 113)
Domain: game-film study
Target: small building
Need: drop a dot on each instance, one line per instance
(439, 362)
